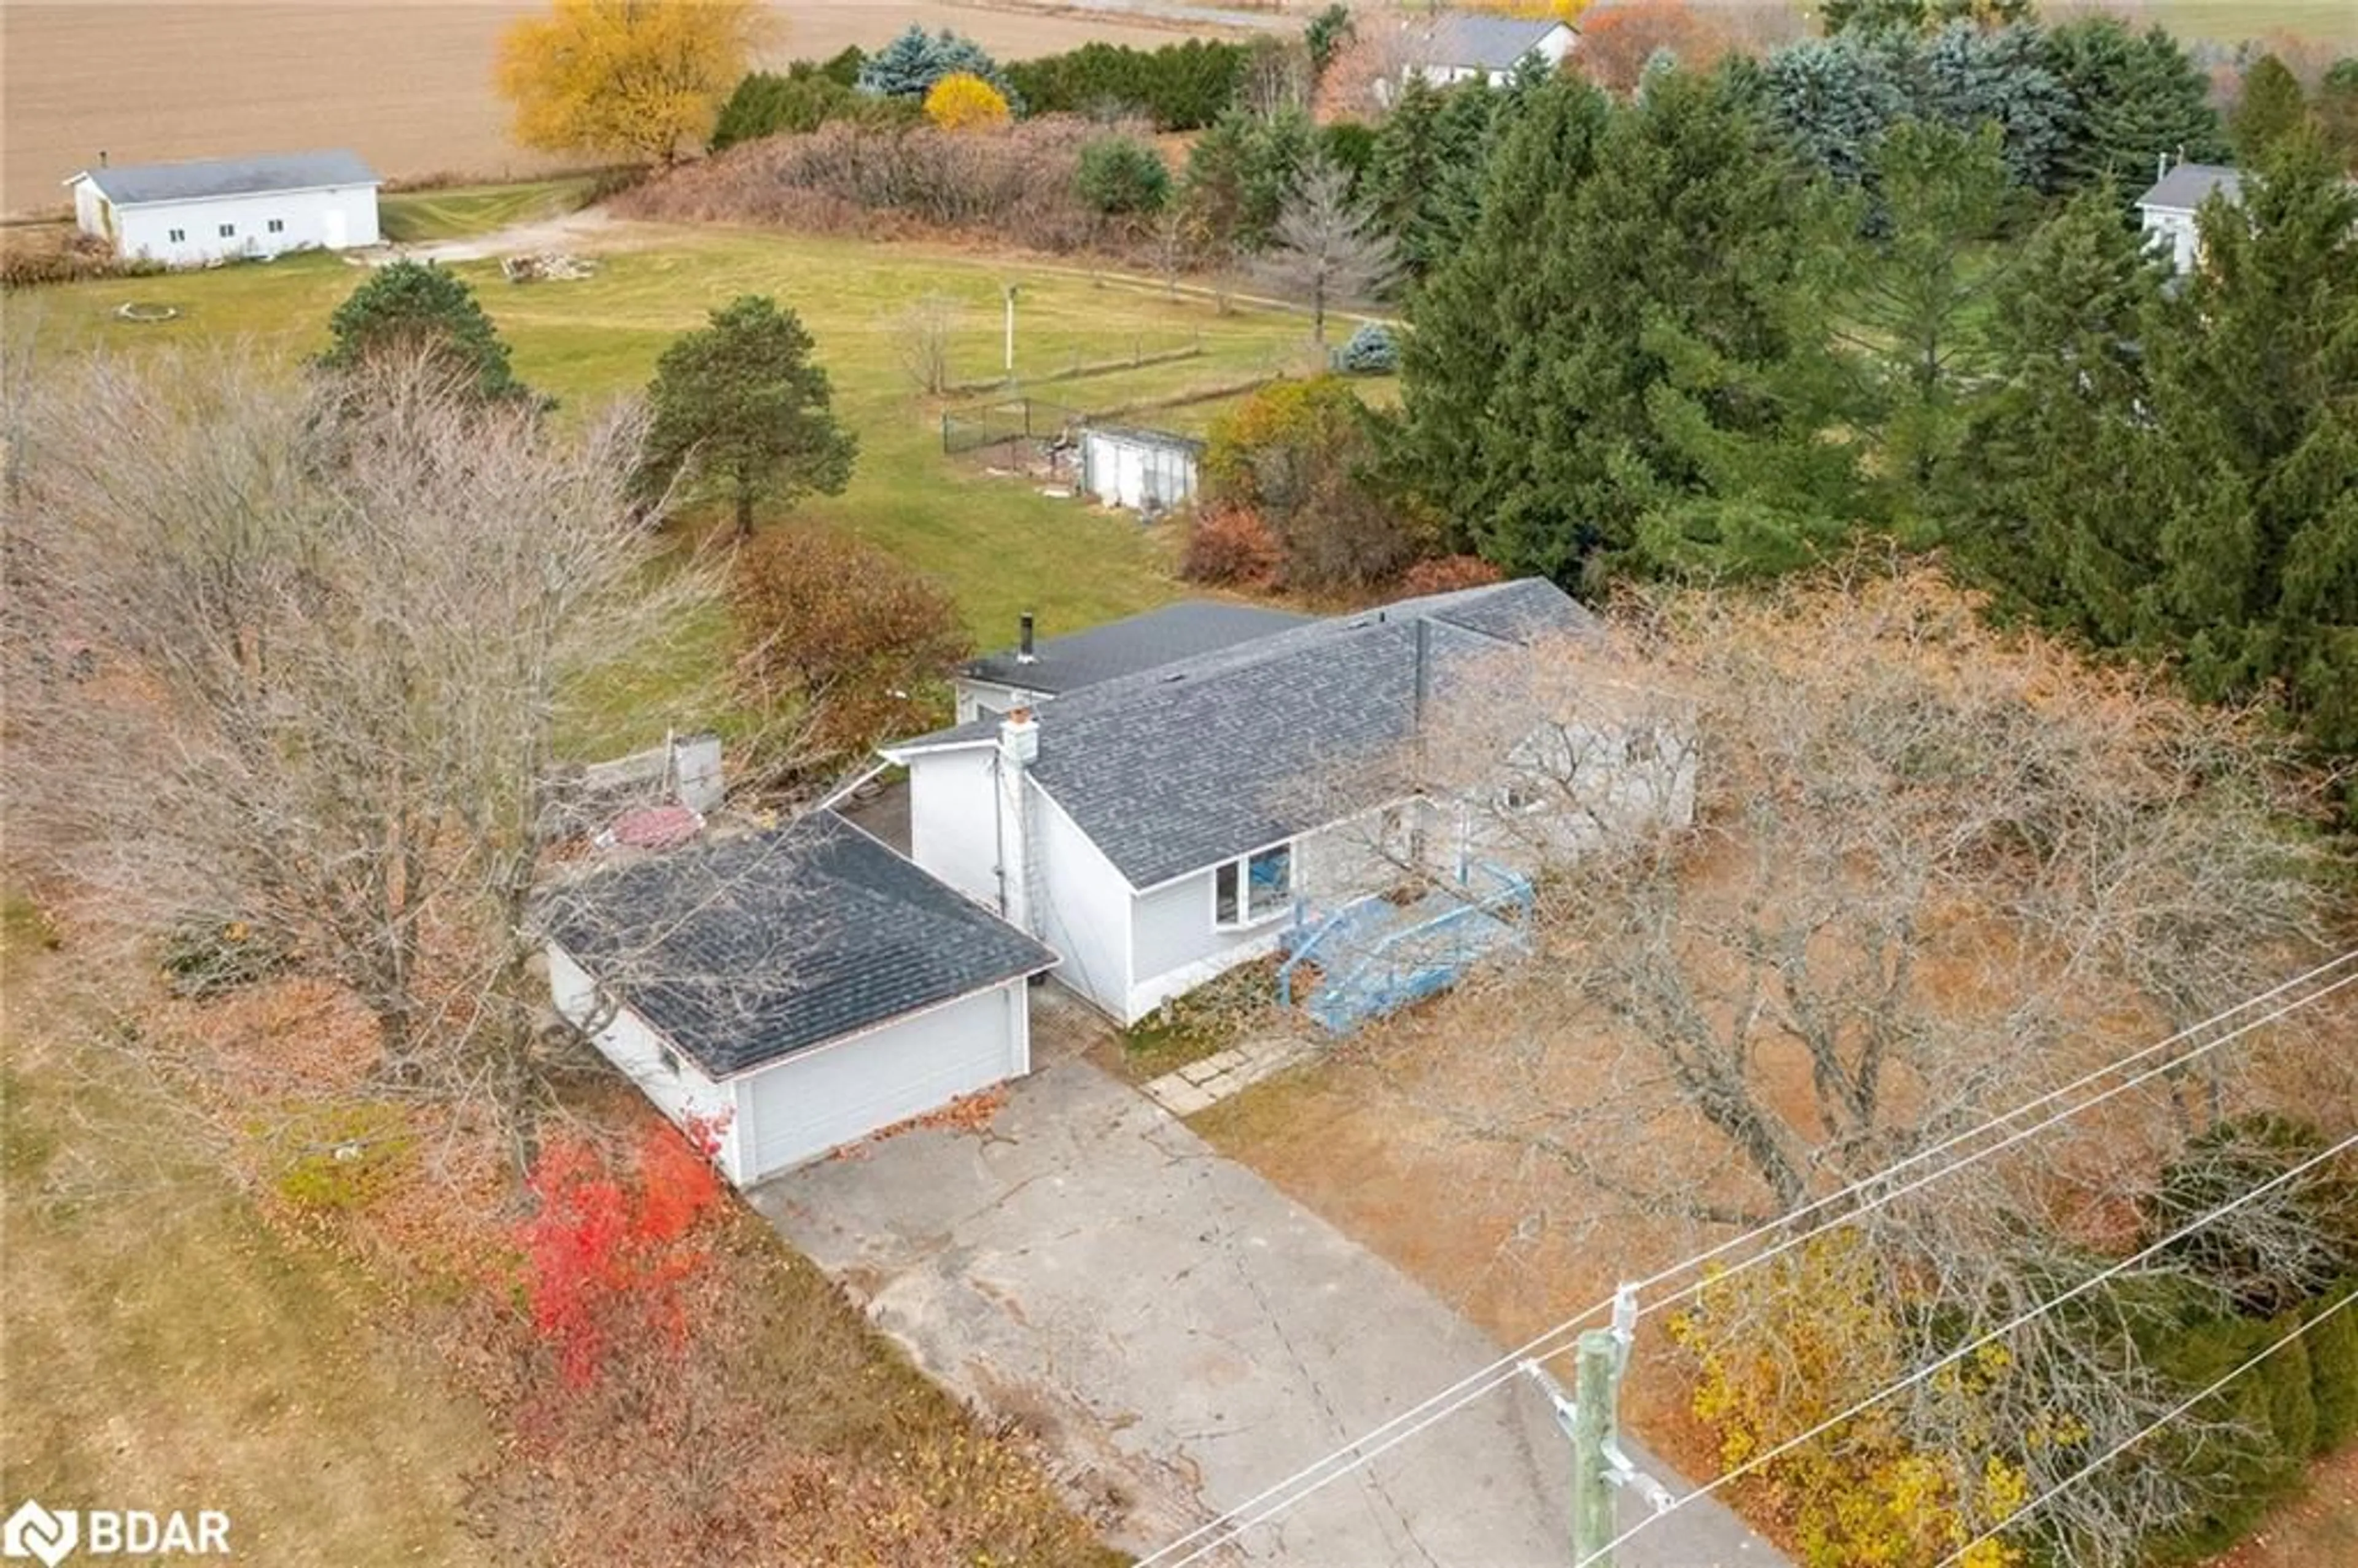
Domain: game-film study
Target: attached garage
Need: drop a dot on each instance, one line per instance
(796, 991)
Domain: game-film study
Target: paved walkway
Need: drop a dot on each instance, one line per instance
(1180, 1334)
(1216, 1078)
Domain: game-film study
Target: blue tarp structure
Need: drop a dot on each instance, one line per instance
(1373, 957)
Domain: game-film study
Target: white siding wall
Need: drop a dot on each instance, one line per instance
(337, 219)
(1177, 947)
(954, 820)
(2172, 231)
(977, 697)
(835, 1093)
(676, 1085)
(1081, 907)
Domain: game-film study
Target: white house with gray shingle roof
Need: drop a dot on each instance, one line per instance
(2167, 212)
(185, 214)
(1163, 825)
(1464, 47)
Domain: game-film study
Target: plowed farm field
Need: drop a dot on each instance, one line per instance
(405, 83)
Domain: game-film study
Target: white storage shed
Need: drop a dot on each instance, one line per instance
(1141, 470)
(187, 215)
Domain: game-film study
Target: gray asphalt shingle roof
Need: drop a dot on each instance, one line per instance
(138, 185)
(1173, 769)
(2187, 186)
(1494, 43)
(745, 950)
(1125, 647)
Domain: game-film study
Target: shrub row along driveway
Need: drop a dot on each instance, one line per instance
(1181, 1335)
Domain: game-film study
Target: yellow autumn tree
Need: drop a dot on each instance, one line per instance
(1566, 11)
(963, 101)
(630, 79)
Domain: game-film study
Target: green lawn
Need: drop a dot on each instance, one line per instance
(457, 212)
(998, 543)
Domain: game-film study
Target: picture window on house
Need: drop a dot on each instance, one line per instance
(176, 236)
(229, 230)
(278, 225)
(1257, 888)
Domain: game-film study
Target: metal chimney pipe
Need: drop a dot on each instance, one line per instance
(1023, 654)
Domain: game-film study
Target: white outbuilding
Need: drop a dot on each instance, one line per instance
(791, 991)
(185, 214)
(1139, 470)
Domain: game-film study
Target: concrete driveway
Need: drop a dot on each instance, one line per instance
(1181, 1334)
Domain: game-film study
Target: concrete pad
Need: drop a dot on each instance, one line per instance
(1179, 1098)
(1182, 1336)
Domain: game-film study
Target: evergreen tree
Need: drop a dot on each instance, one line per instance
(2135, 100)
(1426, 183)
(2255, 393)
(1241, 172)
(741, 414)
(2337, 111)
(910, 65)
(408, 306)
(1973, 77)
(2273, 108)
(2057, 471)
(1480, 321)
(1914, 318)
(1835, 98)
(1619, 337)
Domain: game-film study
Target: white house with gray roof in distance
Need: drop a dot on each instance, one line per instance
(1463, 47)
(1166, 823)
(187, 215)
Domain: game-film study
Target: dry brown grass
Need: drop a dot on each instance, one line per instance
(405, 83)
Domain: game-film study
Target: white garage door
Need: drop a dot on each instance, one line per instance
(807, 1105)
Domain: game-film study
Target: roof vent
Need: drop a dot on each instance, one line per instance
(1023, 654)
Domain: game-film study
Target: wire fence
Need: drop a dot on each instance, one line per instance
(1008, 419)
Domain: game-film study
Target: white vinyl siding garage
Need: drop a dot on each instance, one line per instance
(803, 987)
(841, 1092)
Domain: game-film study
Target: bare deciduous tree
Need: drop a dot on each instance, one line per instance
(921, 343)
(1327, 248)
(304, 649)
(1931, 869)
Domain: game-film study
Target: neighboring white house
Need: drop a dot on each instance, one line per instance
(219, 208)
(1158, 828)
(1035, 670)
(2167, 211)
(1465, 48)
(793, 990)
(1139, 470)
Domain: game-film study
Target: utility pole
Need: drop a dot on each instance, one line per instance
(1011, 334)
(1591, 1419)
(1597, 1389)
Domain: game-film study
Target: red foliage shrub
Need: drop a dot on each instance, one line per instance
(603, 1259)
(1618, 37)
(1447, 574)
(1231, 546)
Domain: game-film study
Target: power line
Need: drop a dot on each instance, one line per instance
(2117, 1449)
(1439, 1406)
(1768, 1456)
(2174, 1064)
